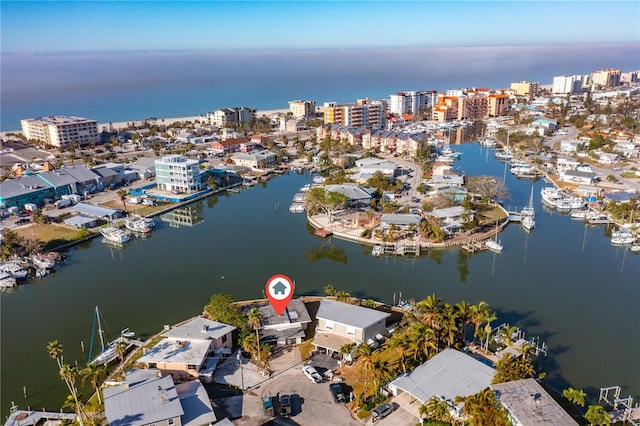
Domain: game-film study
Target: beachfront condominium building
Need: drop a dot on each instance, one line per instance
(364, 113)
(178, 174)
(567, 84)
(498, 104)
(303, 109)
(629, 77)
(412, 102)
(61, 131)
(526, 88)
(229, 117)
(603, 79)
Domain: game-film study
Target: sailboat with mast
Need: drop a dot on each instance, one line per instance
(494, 245)
(529, 214)
(108, 352)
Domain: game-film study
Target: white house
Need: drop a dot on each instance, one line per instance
(340, 323)
(570, 145)
(577, 176)
(608, 158)
(255, 160)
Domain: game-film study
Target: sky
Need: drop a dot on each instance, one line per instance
(53, 26)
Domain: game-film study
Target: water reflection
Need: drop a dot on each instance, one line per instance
(189, 215)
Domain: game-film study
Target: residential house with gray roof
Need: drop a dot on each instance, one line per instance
(187, 347)
(340, 323)
(286, 329)
(449, 374)
(356, 195)
(148, 398)
(528, 404)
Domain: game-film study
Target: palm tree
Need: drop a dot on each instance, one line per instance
(479, 313)
(430, 308)
(575, 396)
(94, 372)
(363, 353)
(505, 334)
(68, 373)
(398, 341)
(464, 314)
(250, 344)
(343, 296)
(596, 415)
(346, 349)
(381, 372)
(56, 351)
(436, 409)
(121, 348)
(423, 341)
(254, 318)
(122, 194)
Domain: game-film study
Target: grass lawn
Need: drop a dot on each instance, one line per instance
(138, 209)
(51, 235)
(491, 214)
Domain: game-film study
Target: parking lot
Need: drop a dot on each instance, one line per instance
(311, 403)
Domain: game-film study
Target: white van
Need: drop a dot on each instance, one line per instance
(62, 203)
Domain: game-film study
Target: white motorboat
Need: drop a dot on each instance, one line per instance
(623, 240)
(298, 197)
(376, 251)
(580, 214)
(522, 169)
(306, 188)
(115, 235)
(487, 142)
(138, 225)
(6, 280)
(503, 156)
(635, 248)
(528, 222)
(318, 179)
(576, 203)
(41, 261)
(550, 195)
(15, 269)
(296, 208)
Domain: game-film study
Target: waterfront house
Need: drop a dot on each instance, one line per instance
(373, 165)
(179, 174)
(450, 217)
(109, 178)
(340, 323)
(186, 347)
(259, 160)
(400, 221)
(286, 329)
(577, 176)
(449, 374)
(356, 195)
(148, 398)
(527, 403)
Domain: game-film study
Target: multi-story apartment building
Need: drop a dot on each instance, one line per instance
(412, 102)
(303, 109)
(230, 116)
(567, 84)
(526, 88)
(498, 104)
(61, 131)
(629, 77)
(176, 173)
(605, 78)
(446, 109)
(364, 113)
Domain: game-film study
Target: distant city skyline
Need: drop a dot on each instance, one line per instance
(41, 27)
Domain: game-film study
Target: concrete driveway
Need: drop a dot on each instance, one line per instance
(312, 402)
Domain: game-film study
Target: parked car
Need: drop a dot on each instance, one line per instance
(338, 391)
(383, 411)
(285, 405)
(23, 221)
(312, 374)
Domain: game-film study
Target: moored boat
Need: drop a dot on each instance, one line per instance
(138, 225)
(115, 235)
(15, 269)
(296, 208)
(6, 280)
(42, 261)
(493, 245)
(376, 251)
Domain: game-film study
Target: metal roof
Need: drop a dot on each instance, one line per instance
(173, 351)
(81, 174)
(296, 313)
(57, 178)
(352, 192)
(351, 315)
(79, 220)
(530, 404)
(195, 404)
(21, 186)
(449, 374)
(142, 404)
(199, 328)
(95, 211)
(400, 219)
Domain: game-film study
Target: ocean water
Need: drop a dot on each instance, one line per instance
(124, 86)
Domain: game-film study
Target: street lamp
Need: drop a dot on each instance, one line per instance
(241, 369)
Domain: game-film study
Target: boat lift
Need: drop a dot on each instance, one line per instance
(627, 412)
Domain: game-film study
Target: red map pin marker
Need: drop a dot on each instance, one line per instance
(279, 290)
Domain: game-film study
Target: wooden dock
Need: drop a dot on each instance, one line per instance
(474, 246)
(321, 232)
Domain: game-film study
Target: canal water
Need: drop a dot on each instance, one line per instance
(563, 282)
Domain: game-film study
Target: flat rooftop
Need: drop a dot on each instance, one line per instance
(172, 351)
(60, 119)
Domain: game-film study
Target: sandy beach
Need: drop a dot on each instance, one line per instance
(123, 124)
(164, 120)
